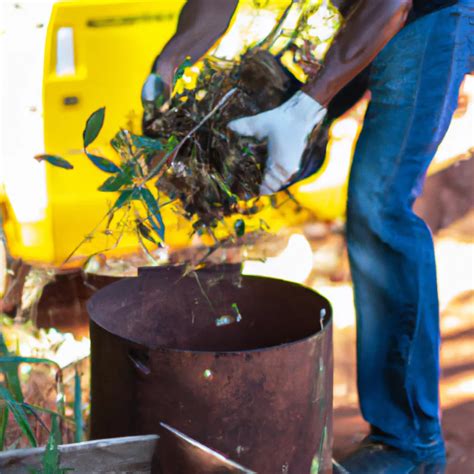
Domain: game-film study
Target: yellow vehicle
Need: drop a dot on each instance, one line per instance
(66, 60)
(96, 53)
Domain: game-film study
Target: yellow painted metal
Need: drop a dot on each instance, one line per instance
(115, 45)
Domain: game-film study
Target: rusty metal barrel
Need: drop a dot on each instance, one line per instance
(241, 364)
(62, 304)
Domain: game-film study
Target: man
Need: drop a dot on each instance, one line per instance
(421, 52)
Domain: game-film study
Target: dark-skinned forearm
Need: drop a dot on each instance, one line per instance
(201, 23)
(368, 28)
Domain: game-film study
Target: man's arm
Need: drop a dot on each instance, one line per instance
(369, 25)
(201, 23)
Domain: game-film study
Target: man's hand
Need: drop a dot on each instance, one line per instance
(286, 128)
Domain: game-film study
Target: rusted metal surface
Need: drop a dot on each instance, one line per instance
(62, 304)
(179, 453)
(239, 364)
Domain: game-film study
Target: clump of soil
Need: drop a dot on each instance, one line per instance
(214, 169)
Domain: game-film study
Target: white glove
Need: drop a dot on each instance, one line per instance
(287, 129)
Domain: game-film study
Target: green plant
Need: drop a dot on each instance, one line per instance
(78, 417)
(12, 399)
(51, 463)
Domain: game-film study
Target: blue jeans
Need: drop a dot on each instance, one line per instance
(415, 84)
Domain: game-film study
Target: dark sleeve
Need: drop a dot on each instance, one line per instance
(349, 95)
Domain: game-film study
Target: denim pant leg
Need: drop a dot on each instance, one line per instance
(415, 83)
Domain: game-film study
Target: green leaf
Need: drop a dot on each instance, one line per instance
(20, 405)
(19, 415)
(30, 410)
(158, 225)
(27, 360)
(145, 232)
(55, 161)
(153, 209)
(51, 462)
(150, 201)
(78, 435)
(93, 126)
(125, 197)
(3, 426)
(12, 359)
(103, 163)
(239, 227)
(10, 371)
(171, 143)
(33, 408)
(114, 183)
(51, 452)
(151, 144)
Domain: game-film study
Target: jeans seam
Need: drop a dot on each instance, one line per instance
(452, 68)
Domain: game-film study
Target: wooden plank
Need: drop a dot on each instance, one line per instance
(118, 455)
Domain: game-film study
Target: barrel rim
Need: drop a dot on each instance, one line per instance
(327, 322)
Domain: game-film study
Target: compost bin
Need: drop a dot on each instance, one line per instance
(241, 364)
